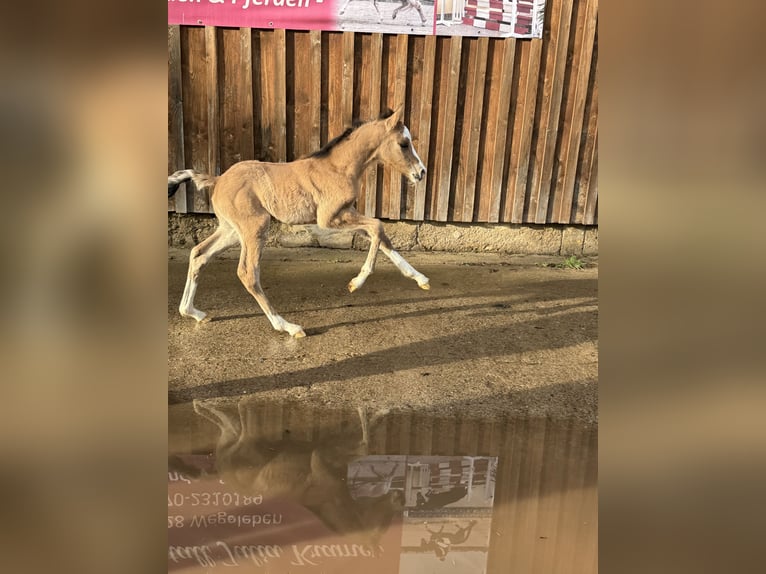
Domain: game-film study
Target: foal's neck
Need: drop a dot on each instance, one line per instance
(355, 154)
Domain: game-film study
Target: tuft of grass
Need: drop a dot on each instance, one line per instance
(571, 262)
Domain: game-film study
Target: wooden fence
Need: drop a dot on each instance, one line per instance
(507, 128)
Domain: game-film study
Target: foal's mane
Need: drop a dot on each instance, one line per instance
(325, 150)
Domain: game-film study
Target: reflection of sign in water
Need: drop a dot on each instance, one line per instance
(448, 514)
(213, 526)
(494, 18)
(323, 504)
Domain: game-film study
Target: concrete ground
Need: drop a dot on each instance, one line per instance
(497, 335)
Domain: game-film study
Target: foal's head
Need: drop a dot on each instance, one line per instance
(396, 149)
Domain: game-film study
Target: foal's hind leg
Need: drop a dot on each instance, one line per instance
(221, 239)
(253, 233)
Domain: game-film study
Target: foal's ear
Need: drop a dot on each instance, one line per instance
(394, 118)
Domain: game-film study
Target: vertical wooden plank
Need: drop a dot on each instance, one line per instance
(195, 110)
(421, 102)
(554, 488)
(324, 89)
(315, 95)
(181, 424)
(347, 83)
(291, 36)
(574, 113)
(272, 413)
(449, 75)
(369, 108)
(273, 96)
(443, 437)
(257, 91)
(585, 182)
(421, 435)
(396, 80)
(299, 420)
(472, 103)
(176, 159)
(484, 437)
(213, 114)
(280, 95)
(579, 459)
(587, 535)
(237, 97)
(340, 99)
(523, 112)
(506, 447)
(526, 498)
(245, 95)
(591, 204)
(307, 83)
(399, 433)
(500, 80)
(467, 436)
(550, 107)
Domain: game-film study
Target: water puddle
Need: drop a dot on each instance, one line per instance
(289, 487)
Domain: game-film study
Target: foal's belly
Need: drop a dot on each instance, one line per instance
(295, 208)
(283, 196)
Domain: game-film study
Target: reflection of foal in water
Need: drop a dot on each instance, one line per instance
(441, 542)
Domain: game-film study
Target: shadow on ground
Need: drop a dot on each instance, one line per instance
(492, 329)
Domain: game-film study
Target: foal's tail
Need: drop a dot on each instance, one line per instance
(200, 180)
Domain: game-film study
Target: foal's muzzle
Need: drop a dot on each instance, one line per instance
(421, 175)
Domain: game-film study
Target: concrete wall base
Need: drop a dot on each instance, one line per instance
(186, 230)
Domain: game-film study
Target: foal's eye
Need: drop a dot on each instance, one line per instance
(404, 145)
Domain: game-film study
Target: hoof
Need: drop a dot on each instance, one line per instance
(299, 335)
(425, 286)
(195, 314)
(351, 287)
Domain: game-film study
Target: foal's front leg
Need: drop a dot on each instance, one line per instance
(404, 267)
(351, 219)
(383, 243)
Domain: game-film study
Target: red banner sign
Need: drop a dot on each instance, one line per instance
(492, 18)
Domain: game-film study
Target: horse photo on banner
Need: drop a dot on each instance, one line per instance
(492, 18)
